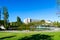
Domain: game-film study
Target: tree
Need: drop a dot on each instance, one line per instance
(1, 22)
(6, 15)
(19, 22)
(42, 22)
(56, 24)
(0, 14)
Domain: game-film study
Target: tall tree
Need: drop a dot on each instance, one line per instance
(0, 14)
(6, 15)
(0, 17)
(19, 22)
(42, 22)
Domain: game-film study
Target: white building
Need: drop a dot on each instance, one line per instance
(27, 20)
(2, 27)
(35, 20)
(48, 21)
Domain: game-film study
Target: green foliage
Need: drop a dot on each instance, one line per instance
(6, 15)
(13, 23)
(0, 14)
(56, 24)
(22, 27)
(42, 21)
(19, 22)
(2, 22)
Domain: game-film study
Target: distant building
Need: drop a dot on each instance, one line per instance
(35, 20)
(27, 20)
(48, 21)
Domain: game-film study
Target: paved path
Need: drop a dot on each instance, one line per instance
(30, 31)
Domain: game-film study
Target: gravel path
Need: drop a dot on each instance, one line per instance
(52, 29)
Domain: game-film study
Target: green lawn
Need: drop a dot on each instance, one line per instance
(30, 36)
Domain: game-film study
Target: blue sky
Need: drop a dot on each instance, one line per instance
(34, 9)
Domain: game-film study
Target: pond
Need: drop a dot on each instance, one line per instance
(44, 28)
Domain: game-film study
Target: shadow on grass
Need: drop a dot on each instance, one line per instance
(7, 37)
(37, 37)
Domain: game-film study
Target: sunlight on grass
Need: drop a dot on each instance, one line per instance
(20, 35)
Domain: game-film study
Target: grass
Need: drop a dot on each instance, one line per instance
(29, 35)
